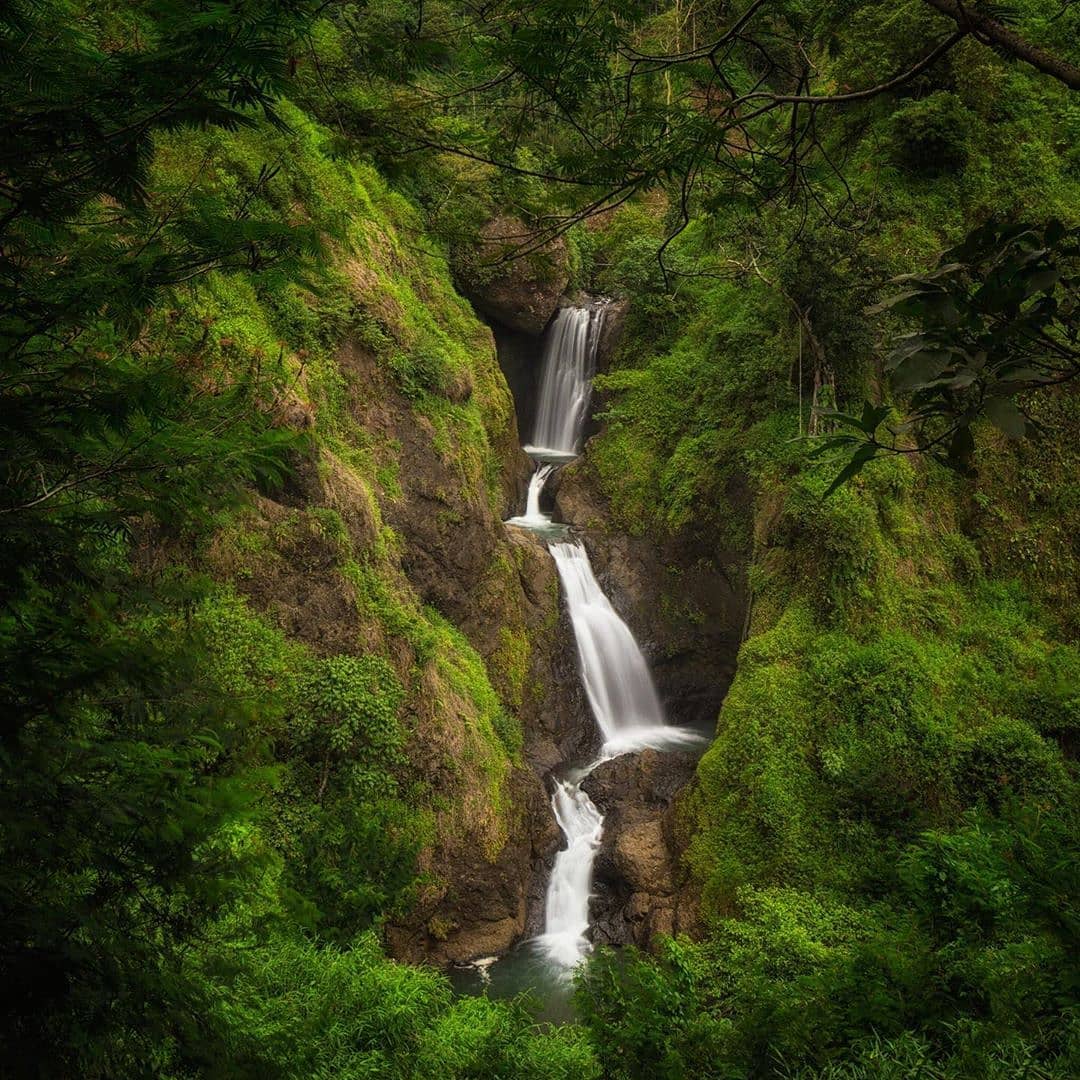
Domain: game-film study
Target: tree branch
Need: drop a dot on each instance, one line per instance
(992, 32)
(859, 95)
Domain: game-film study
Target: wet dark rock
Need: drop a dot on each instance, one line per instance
(543, 757)
(484, 908)
(611, 333)
(648, 780)
(637, 875)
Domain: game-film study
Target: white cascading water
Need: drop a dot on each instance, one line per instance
(566, 382)
(534, 518)
(566, 910)
(617, 681)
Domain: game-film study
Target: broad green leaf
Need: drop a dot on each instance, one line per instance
(861, 456)
(921, 368)
(1006, 417)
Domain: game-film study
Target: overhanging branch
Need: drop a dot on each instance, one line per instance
(992, 32)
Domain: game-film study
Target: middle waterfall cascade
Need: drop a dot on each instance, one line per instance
(534, 518)
(616, 678)
(617, 682)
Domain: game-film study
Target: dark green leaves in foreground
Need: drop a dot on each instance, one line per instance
(995, 322)
(119, 764)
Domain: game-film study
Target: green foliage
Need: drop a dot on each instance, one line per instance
(124, 755)
(349, 703)
(204, 824)
(672, 445)
(298, 1010)
(352, 841)
(962, 971)
(896, 706)
(829, 276)
(996, 321)
(110, 803)
(933, 135)
(646, 1018)
(465, 674)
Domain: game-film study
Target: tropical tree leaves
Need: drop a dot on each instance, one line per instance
(995, 321)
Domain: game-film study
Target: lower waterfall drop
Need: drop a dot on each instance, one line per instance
(566, 911)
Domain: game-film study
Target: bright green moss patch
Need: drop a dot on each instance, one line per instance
(466, 674)
(512, 660)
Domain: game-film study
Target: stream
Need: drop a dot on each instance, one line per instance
(618, 685)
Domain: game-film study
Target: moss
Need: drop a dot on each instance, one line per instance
(394, 301)
(240, 544)
(331, 527)
(467, 674)
(392, 606)
(879, 695)
(512, 660)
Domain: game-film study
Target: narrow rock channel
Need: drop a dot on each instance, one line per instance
(616, 677)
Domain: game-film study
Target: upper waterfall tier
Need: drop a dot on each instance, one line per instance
(568, 364)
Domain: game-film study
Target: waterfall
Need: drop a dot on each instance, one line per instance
(616, 679)
(534, 518)
(566, 911)
(628, 712)
(617, 682)
(536, 485)
(567, 369)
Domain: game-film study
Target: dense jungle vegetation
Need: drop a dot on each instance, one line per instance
(849, 235)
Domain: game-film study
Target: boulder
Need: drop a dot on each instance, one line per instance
(520, 292)
(643, 782)
(641, 857)
(636, 877)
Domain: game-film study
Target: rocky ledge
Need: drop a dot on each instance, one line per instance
(637, 880)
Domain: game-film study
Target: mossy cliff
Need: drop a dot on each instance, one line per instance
(407, 641)
(901, 726)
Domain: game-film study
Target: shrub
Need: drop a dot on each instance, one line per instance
(933, 136)
(348, 706)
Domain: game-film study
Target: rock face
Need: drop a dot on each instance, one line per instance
(484, 907)
(637, 879)
(436, 536)
(520, 293)
(487, 580)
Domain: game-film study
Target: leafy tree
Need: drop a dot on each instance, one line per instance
(996, 320)
(119, 758)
